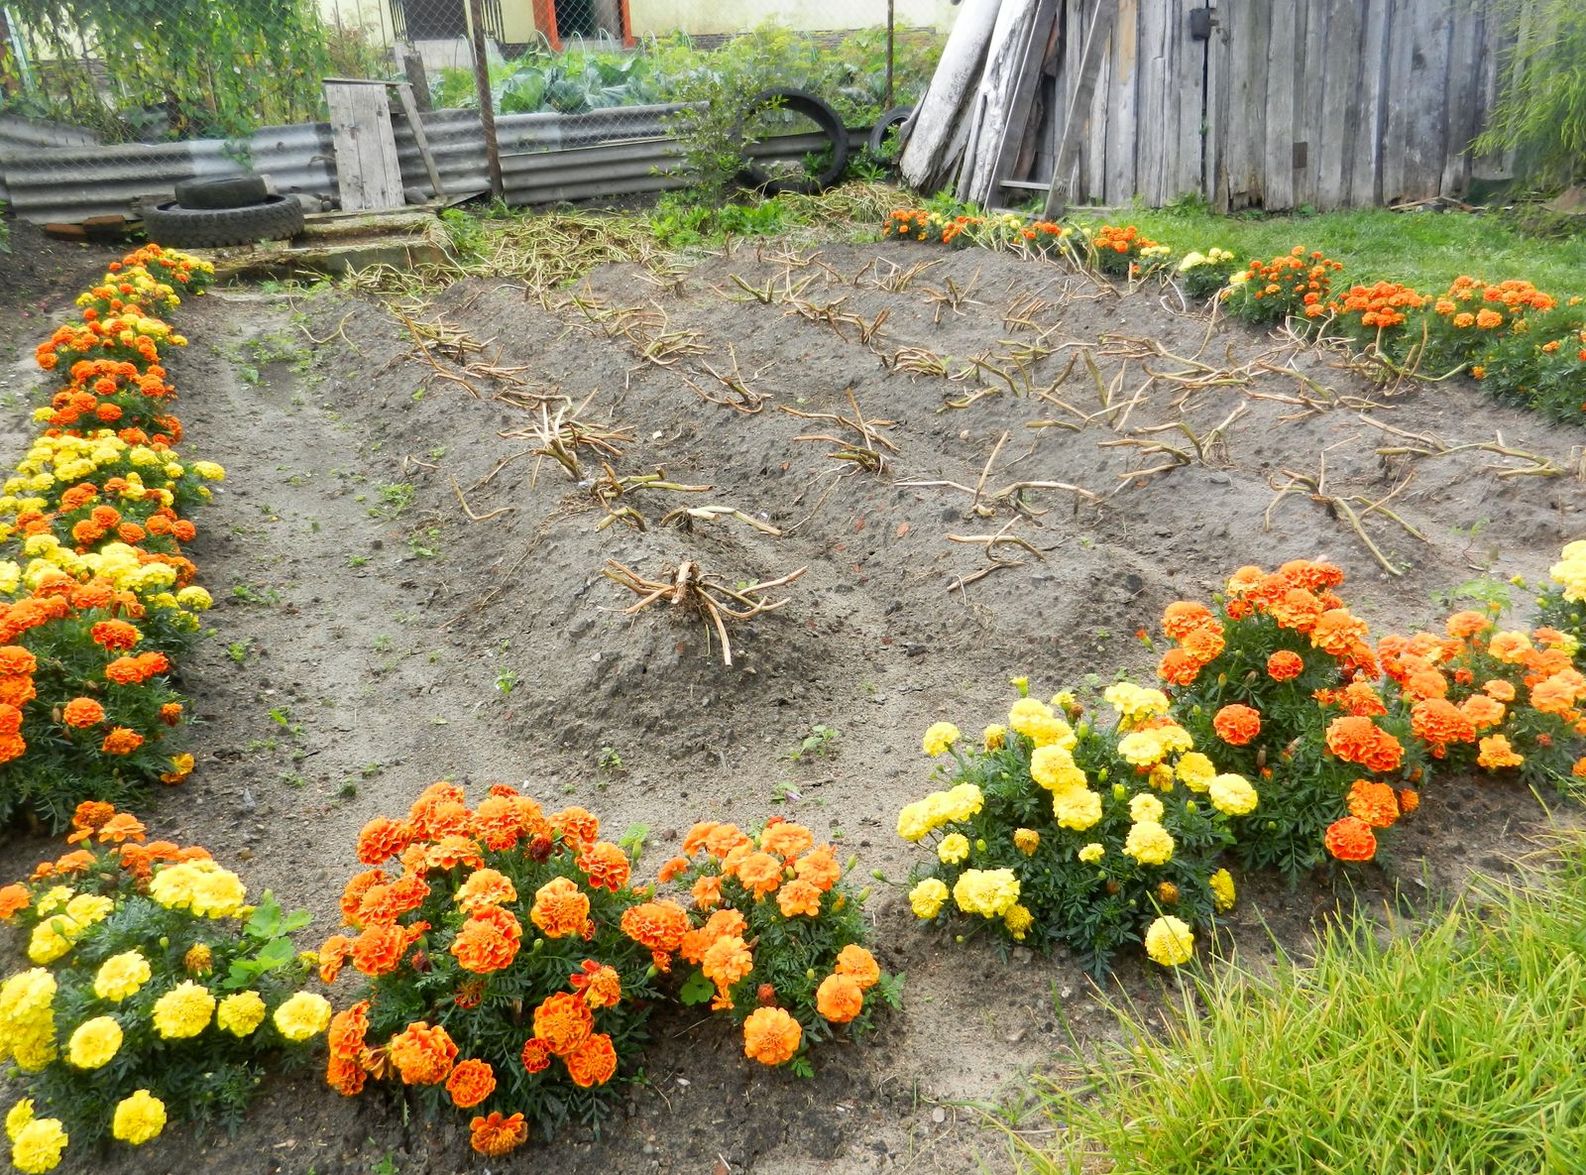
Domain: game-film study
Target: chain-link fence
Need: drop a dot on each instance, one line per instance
(104, 101)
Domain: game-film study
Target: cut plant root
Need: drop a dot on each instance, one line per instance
(738, 395)
(689, 588)
(865, 452)
(1345, 508)
(1427, 445)
(991, 542)
(561, 435)
(610, 490)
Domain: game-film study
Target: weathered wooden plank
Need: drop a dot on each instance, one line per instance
(1013, 98)
(1463, 78)
(1214, 150)
(938, 122)
(1098, 138)
(1278, 142)
(1094, 40)
(1310, 91)
(1153, 139)
(1401, 99)
(1186, 98)
(1426, 92)
(1250, 23)
(1336, 117)
(368, 175)
(1365, 183)
(1491, 45)
(1122, 123)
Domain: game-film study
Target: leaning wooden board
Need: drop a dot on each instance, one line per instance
(368, 176)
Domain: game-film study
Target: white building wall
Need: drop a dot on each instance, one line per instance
(736, 16)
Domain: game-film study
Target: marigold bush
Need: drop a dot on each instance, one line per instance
(154, 993)
(1562, 602)
(1058, 828)
(495, 973)
(96, 594)
(775, 936)
(1296, 284)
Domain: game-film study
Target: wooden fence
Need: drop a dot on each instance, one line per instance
(1286, 103)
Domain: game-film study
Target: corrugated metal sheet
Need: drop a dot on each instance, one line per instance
(545, 158)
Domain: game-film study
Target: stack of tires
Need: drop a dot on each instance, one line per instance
(207, 213)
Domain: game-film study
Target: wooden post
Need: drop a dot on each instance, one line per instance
(487, 113)
(892, 25)
(1079, 101)
(413, 67)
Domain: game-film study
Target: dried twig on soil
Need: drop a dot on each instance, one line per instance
(689, 588)
(609, 488)
(991, 542)
(952, 297)
(1021, 311)
(686, 516)
(898, 279)
(468, 510)
(1315, 487)
(917, 361)
(740, 396)
(561, 435)
(1427, 445)
(866, 451)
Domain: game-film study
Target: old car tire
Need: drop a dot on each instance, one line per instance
(233, 191)
(817, 111)
(274, 218)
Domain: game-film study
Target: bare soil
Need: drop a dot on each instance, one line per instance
(372, 636)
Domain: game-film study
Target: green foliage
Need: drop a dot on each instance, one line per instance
(468, 237)
(183, 68)
(1541, 113)
(1452, 1050)
(679, 222)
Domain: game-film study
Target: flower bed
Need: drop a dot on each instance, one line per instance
(96, 595)
(1521, 343)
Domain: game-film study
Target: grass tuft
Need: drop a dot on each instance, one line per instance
(1454, 1050)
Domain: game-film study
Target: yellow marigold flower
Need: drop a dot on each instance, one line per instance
(938, 737)
(303, 1016)
(1053, 768)
(1141, 748)
(995, 737)
(52, 938)
(1145, 806)
(19, 1116)
(953, 849)
(1169, 941)
(1018, 920)
(203, 887)
(1195, 771)
(38, 1146)
(1078, 809)
(53, 899)
(926, 898)
(94, 1042)
(240, 1013)
(1026, 840)
(1149, 843)
(184, 1011)
(987, 892)
(962, 802)
(1232, 795)
(195, 598)
(139, 1118)
(1092, 853)
(914, 821)
(1222, 886)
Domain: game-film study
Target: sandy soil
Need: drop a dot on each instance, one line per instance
(372, 637)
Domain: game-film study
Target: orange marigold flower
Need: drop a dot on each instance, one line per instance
(121, 740)
(785, 839)
(839, 999)
(379, 949)
(470, 1083)
(421, 1054)
(121, 827)
(353, 892)
(1466, 624)
(332, 954)
(381, 839)
(1237, 725)
(451, 850)
(819, 867)
(695, 838)
(726, 961)
(706, 892)
(13, 900)
(536, 1057)
(672, 868)
(12, 746)
(560, 908)
(727, 923)
(1205, 644)
(1351, 839)
(171, 713)
(1556, 694)
(115, 635)
(760, 873)
(605, 865)
(859, 965)
(1356, 739)
(600, 984)
(14, 659)
(1509, 647)
(1361, 699)
(1177, 667)
(657, 926)
(488, 941)
(1579, 769)
(1373, 802)
(92, 814)
(345, 1075)
(1483, 711)
(1296, 608)
(578, 827)
(722, 839)
(1426, 683)
(799, 897)
(1438, 722)
(82, 712)
(1182, 617)
(563, 1022)
(771, 1036)
(494, 1135)
(1496, 754)
(497, 823)
(485, 887)
(1409, 800)
(1285, 665)
(592, 1063)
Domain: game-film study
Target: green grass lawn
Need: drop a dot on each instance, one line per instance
(1426, 250)
(1454, 1050)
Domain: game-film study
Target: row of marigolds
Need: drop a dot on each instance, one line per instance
(1282, 737)
(96, 595)
(1524, 345)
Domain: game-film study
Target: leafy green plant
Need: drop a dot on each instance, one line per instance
(1541, 113)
